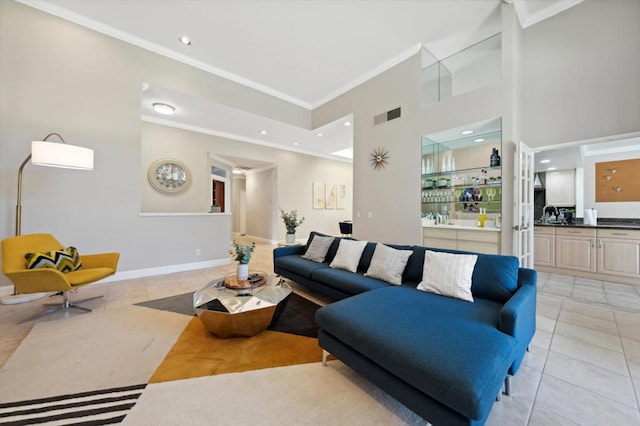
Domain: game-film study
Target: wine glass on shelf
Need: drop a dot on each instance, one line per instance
(491, 193)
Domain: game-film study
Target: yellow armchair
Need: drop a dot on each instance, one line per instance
(14, 265)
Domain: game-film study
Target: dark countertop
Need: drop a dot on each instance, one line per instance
(602, 224)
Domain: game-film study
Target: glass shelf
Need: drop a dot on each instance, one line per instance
(462, 171)
(441, 188)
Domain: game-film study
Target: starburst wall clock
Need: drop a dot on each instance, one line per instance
(379, 158)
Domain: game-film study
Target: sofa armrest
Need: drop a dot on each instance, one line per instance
(288, 250)
(518, 315)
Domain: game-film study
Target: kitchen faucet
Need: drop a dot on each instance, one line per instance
(544, 210)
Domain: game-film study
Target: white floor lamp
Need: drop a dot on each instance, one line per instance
(49, 154)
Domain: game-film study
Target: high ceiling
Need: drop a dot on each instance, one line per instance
(304, 51)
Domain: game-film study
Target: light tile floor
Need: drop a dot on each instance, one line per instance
(583, 369)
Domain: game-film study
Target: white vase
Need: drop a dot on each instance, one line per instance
(291, 238)
(243, 271)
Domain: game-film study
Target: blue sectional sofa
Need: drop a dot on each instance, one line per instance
(444, 358)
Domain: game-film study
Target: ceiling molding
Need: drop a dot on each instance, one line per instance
(528, 17)
(369, 75)
(68, 15)
(207, 131)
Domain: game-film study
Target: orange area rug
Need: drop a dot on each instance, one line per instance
(199, 353)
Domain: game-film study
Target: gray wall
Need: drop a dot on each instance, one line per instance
(582, 73)
(58, 76)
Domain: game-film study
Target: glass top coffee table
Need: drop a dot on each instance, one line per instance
(229, 308)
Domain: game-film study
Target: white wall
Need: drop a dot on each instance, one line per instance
(261, 200)
(288, 185)
(392, 195)
(59, 76)
(582, 73)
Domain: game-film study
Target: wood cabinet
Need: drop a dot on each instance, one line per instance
(618, 252)
(544, 246)
(597, 253)
(561, 188)
(462, 239)
(576, 249)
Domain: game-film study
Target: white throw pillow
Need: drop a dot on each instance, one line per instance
(318, 248)
(448, 274)
(388, 264)
(348, 255)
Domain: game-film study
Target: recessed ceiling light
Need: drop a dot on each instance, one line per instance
(545, 161)
(165, 109)
(320, 134)
(237, 171)
(479, 140)
(347, 123)
(551, 168)
(263, 132)
(185, 40)
(466, 132)
(296, 144)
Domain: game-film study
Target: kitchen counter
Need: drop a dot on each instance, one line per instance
(464, 227)
(605, 225)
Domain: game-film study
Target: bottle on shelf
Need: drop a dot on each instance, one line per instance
(494, 161)
(482, 217)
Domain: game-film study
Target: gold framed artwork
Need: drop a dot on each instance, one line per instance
(318, 195)
(330, 196)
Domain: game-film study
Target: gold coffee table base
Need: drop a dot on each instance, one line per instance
(243, 324)
(241, 311)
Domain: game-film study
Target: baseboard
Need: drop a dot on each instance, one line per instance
(254, 238)
(162, 270)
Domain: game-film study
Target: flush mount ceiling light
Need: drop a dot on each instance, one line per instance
(263, 132)
(552, 168)
(320, 134)
(296, 144)
(185, 40)
(466, 132)
(545, 161)
(479, 140)
(165, 109)
(347, 123)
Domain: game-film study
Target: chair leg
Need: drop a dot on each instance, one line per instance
(325, 354)
(66, 303)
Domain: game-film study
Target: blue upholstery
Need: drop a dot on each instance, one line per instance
(388, 325)
(444, 358)
(346, 281)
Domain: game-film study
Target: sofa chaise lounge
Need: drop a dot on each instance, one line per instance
(444, 358)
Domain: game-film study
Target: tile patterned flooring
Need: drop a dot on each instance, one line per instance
(583, 369)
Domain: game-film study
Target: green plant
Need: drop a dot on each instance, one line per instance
(241, 253)
(291, 221)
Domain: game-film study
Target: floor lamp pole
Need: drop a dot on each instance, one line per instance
(16, 297)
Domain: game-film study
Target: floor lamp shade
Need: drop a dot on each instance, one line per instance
(61, 155)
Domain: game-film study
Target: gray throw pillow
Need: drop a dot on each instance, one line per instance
(387, 264)
(348, 255)
(318, 248)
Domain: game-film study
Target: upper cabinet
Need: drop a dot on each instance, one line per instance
(561, 188)
(461, 170)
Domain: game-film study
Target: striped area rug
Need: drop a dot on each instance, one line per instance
(101, 407)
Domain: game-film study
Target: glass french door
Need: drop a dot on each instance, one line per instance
(523, 217)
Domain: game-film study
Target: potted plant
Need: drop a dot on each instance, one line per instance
(291, 222)
(241, 253)
(215, 208)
